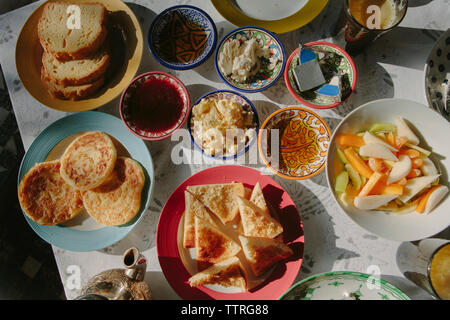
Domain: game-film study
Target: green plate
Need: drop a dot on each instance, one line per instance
(343, 285)
(83, 233)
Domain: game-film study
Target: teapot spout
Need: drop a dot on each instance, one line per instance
(135, 264)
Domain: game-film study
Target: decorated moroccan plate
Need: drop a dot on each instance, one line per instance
(182, 37)
(340, 62)
(125, 37)
(300, 140)
(174, 259)
(276, 16)
(266, 77)
(83, 233)
(344, 285)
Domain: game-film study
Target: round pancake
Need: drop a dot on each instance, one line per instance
(118, 200)
(45, 197)
(88, 160)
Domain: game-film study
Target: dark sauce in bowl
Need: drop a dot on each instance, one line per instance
(155, 105)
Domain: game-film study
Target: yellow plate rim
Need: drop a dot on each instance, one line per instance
(111, 93)
(294, 21)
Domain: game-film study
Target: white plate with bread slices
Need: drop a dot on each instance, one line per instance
(230, 232)
(83, 53)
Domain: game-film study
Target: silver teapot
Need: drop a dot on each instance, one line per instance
(120, 284)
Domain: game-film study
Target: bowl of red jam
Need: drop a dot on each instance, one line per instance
(155, 105)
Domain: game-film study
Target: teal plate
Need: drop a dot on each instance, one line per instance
(87, 235)
(344, 285)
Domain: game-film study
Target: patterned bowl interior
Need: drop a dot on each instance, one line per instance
(227, 95)
(182, 37)
(338, 62)
(304, 142)
(135, 86)
(266, 77)
(437, 67)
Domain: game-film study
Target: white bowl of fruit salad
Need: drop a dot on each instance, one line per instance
(387, 169)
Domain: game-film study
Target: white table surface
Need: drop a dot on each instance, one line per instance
(392, 67)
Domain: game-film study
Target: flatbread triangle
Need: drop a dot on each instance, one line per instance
(257, 197)
(256, 222)
(211, 244)
(221, 199)
(193, 207)
(262, 253)
(227, 273)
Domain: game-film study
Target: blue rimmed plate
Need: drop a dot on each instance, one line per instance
(83, 233)
(268, 74)
(182, 37)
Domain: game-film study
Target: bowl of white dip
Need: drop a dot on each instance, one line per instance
(250, 59)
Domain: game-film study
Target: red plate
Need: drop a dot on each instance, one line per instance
(282, 276)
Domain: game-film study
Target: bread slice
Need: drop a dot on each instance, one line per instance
(72, 92)
(262, 253)
(65, 42)
(75, 72)
(228, 273)
(220, 199)
(211, 244)
(193, 208)
(256, 222)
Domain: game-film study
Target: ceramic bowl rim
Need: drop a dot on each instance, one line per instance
(180, 85)
(305, 102)
(337, 272)
(247, 147)
(272, 115)
(227, 36)
(186, 66)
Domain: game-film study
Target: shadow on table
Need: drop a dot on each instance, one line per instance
(373, 83)
(406, 47)
(409, 288)
(198, 90)
(207, 69)
(418, 3)
(159, 287)
(320, 251)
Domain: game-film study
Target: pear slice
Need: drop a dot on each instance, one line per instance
(370, 138)
(403, 130)
(428, 168)
(400, 169)
(435, 197)
(415, 185)
(372, 202)
(374, 150)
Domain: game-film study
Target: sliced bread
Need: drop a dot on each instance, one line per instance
(75, 72)
(65, 42)
(72, 92)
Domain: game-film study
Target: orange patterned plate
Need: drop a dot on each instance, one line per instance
(293, 142)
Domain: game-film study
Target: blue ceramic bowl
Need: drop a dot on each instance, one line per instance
(182, 37)
(266, 77)
(229, 95)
